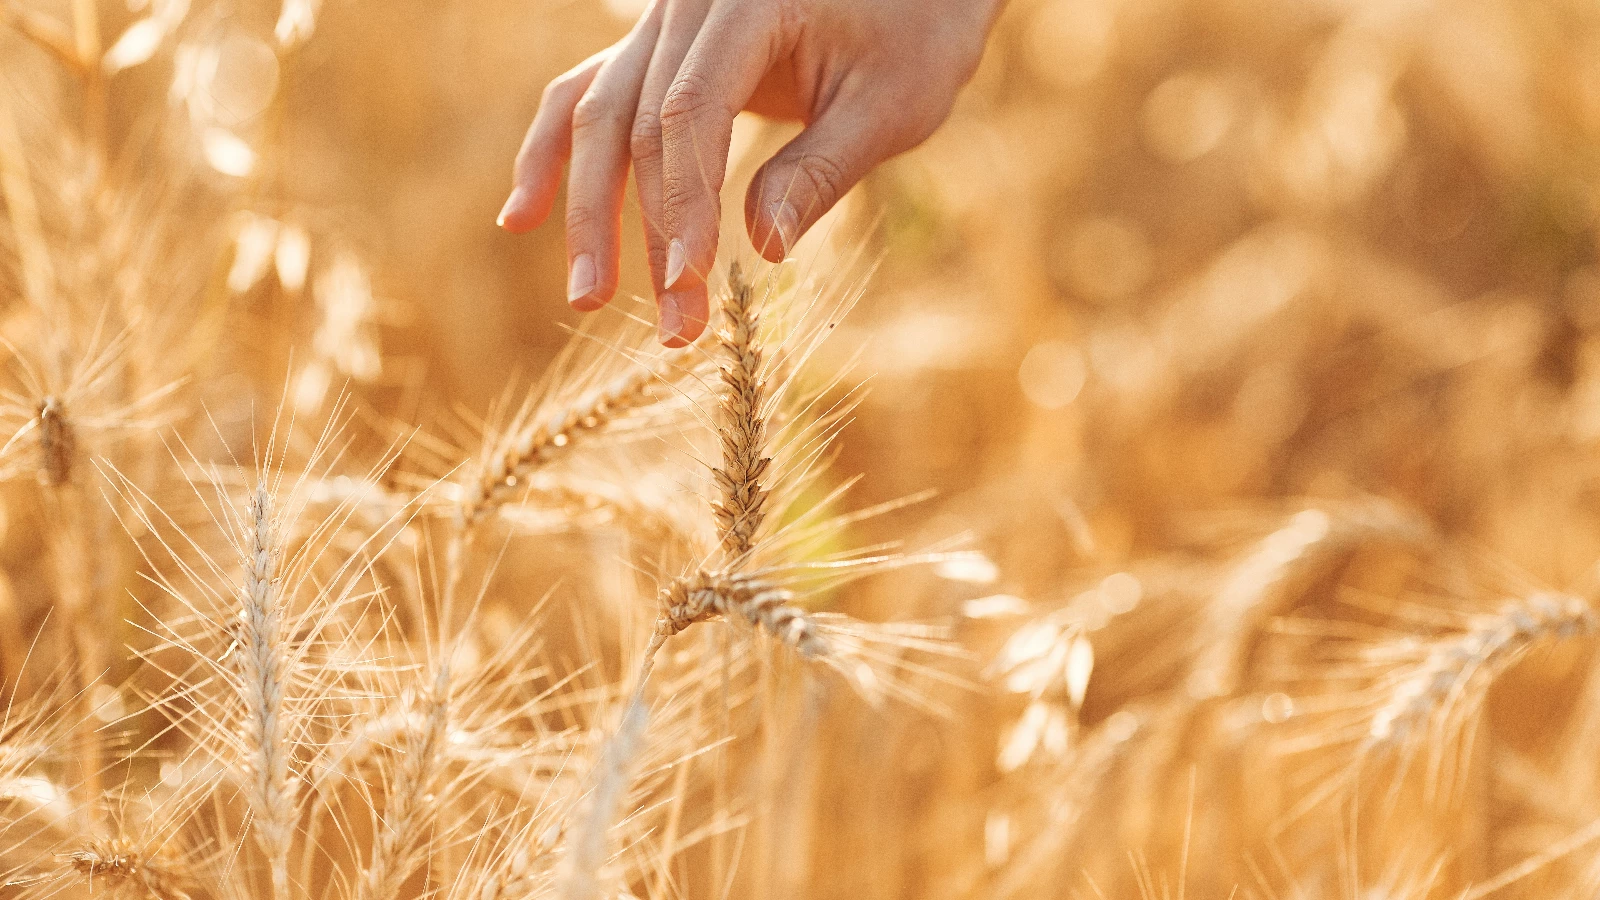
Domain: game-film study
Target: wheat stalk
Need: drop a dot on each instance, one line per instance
(80, 618)
(57, 444)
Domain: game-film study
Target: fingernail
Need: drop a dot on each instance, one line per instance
(786, 222)
(581, 281)
(670, 325)
(677, 261)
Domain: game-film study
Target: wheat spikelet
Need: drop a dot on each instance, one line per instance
(743, 426)
(272, 661)
(1455, 666)
(57, 446)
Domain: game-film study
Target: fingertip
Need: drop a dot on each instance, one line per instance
(774, 230)
(525, 209)
(669, 321)
(685, 265)
(690, 333)
(508, 212)
(585, 292)
(769, 247)
(695, 305)
(682, 317)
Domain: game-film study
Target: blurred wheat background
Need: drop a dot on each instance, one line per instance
(1223, 383)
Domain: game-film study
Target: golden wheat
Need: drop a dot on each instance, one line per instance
(1250, 391)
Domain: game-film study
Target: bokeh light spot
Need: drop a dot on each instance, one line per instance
(1052, 374)
(1187, 116)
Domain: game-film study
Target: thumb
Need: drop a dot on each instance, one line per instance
(816, 169)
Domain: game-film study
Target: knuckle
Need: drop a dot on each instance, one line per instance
(644, 141)
(826, 177)
(791, 16)
(686, 98)
(675, 197)
(592, 112)
(560, 88)
(921, 124)
(581, 220)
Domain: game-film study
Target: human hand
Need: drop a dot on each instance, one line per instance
(868, 78)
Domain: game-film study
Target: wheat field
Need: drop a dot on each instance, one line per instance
(1179, 478)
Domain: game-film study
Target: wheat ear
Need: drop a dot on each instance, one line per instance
(740, 507)
(739, 510)
(703, 595)
(261, 639)
(120, 869)
(82, 639)
(547, 438)
(1484, 651)
(587, 852)
(398, 834)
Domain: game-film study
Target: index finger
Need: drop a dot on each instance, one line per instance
(536, 174)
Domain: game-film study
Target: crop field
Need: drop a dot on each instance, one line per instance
(1177, 479)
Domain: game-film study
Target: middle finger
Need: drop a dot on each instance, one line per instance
(678, 31)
